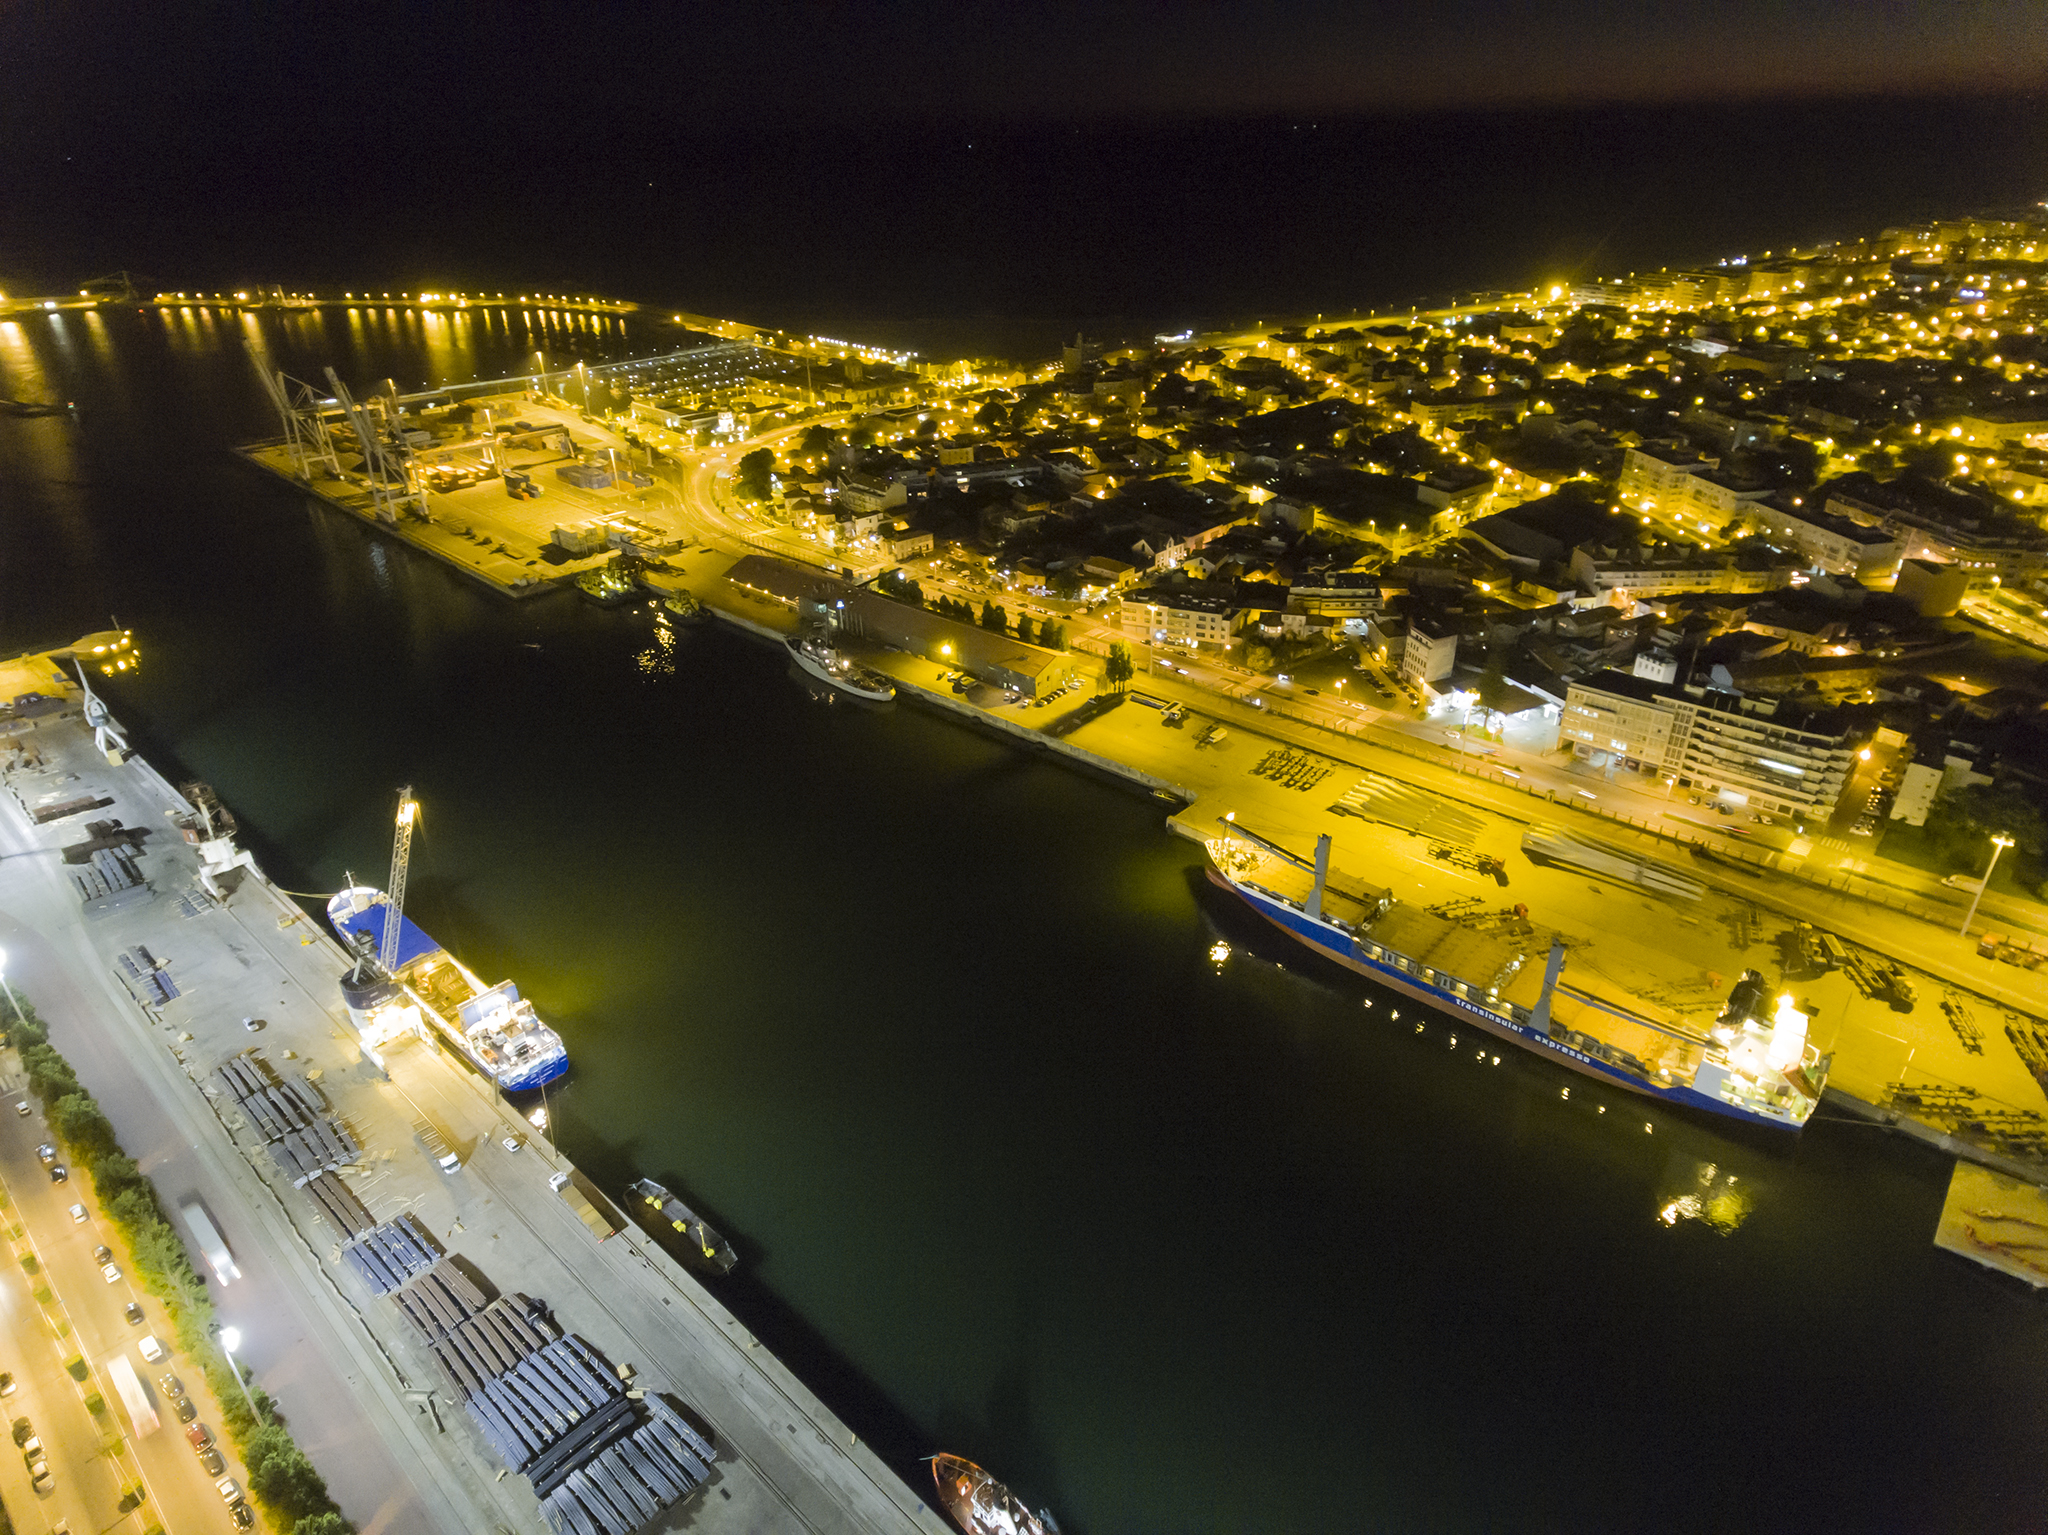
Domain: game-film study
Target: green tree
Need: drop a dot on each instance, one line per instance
(1259, 658)
(1027, 631)
(1053, 636)
(993, 618)
(1117, 674)
(991, 417)
(817, 441)
(751, 477)
(1961, 824)
(326, 1522)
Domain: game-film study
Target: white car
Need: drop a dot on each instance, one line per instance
(110, 1272)
(78, 1215)
(149, 1348)
(229, 1490)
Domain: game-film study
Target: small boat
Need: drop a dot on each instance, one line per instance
(817, 656)
(703, 1245)
(981, 1505)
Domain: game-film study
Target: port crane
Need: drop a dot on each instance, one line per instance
(401, 857)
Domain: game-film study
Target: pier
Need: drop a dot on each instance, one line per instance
(150, 997)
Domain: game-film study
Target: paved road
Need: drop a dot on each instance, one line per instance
(95, 1461)
(295, 1333)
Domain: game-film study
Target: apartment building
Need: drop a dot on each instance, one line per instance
(1745, 751)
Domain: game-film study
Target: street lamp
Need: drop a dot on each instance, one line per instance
(1999, 843)
(11, 1002)
(230, 1340)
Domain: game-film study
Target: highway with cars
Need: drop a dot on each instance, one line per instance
(92, 1460)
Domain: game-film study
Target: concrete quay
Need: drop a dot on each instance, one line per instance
(359, 1390)
(1963, 1070)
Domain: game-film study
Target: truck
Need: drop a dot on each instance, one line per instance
(439, 1144)
(208, 1236)
(133, 1397)
(591, 1207)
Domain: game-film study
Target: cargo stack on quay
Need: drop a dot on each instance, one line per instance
(228, 1012)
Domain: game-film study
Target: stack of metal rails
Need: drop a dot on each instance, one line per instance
(604, 1458)
(304, 1139)
(111, 881)
(389, 1254)
(338, 1203)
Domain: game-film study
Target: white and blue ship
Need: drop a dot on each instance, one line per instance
(493, 1026)
(1752, 1062)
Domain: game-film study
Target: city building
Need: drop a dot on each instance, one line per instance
(1745, 751)
(1168, 617)
(1840, 545)
(1933, 522)
(1656, 475)
(1935, 590)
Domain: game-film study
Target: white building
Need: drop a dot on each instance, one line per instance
(1739, 749)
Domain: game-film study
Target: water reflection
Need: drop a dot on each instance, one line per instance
(1718, 1200)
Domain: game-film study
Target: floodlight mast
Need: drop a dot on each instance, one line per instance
(401, 858)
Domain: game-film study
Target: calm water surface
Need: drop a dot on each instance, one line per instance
(932, 1031)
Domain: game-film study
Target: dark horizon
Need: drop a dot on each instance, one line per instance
(1133, 224)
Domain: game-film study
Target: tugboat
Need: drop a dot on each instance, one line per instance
(816, 655)
(981, 1505)
(706, 1247)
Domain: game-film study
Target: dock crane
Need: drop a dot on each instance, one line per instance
(401, 857)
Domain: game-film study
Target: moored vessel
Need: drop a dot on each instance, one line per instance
(493, 1026)
(817, 655)
(981, 1505)
(1752, 1061)
(703, 1245)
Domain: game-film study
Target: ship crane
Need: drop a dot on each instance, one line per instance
(1319, 866)
(401, 857)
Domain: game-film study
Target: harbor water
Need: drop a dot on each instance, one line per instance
(1033, 1148)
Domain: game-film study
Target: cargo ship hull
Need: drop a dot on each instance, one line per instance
(491, 1026)
(1385, 968)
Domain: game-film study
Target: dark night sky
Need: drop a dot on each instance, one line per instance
(795, 158)
(282, 68)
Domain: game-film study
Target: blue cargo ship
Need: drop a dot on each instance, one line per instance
(493, 1026)
(1752, 1062)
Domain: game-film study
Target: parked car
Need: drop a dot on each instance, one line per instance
(149, 1348)
(103, 1254)
(185, 1409)
(60, 1173)
(6, 1383)
(47, 1153)
(78, 1215)
(239, 1512)
(110, 1272)
(22, 1431)
(21, 1108)
(211, 1462)
(170, 1385)
(229, 1489)
(134, 1314)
